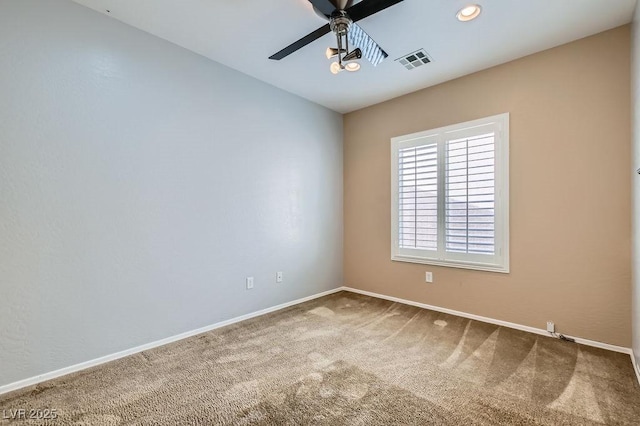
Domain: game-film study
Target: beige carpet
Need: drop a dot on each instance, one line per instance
(350, 359)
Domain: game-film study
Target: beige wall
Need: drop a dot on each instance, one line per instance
(570, 190)
(635, 164)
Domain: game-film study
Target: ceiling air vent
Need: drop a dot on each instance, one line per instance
(414, 59)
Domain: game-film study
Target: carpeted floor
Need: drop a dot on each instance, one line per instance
(355, 360)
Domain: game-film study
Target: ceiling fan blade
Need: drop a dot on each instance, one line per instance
(369, 7)
(301, 43)
(324, 6)
(370, 49)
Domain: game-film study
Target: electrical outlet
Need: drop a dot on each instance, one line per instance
(551, 327)
(428, 276)
(278, 277)
(249, 283)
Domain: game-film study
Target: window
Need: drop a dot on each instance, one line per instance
(450, 196)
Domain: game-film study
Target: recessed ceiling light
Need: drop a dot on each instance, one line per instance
(352, 66)
(468, 13)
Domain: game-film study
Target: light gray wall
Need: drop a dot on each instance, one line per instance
(635, 111)
(141, 183)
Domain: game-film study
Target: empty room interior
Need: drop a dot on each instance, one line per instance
(327, 212)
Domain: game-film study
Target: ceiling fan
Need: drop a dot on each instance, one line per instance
(342, 16)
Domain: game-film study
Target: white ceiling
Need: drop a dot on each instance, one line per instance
(242, 34)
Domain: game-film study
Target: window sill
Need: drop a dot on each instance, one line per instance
(452, 264)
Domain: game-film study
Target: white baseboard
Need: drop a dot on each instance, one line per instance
(490, 320)
(95, 362)
(636, 367)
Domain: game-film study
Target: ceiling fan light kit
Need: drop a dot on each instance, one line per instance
(349, 66)
(352, 66)
(340, 23)
(332, 52)
(342, 16)
(353, 55)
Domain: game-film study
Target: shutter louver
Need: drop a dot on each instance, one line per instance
(470, 195)
(418, 197)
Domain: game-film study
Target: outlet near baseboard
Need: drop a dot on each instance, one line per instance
(551, 327)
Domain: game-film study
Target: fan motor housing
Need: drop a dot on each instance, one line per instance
(338, 4)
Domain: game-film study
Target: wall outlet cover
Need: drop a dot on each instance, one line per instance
(249, 283)
(551, 327)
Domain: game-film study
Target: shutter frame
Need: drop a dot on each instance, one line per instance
(499, 260)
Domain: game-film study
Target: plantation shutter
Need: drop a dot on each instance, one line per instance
(470, 189)
(418, 197)
(450, 196)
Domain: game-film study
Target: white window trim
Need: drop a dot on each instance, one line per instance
(501, 122)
